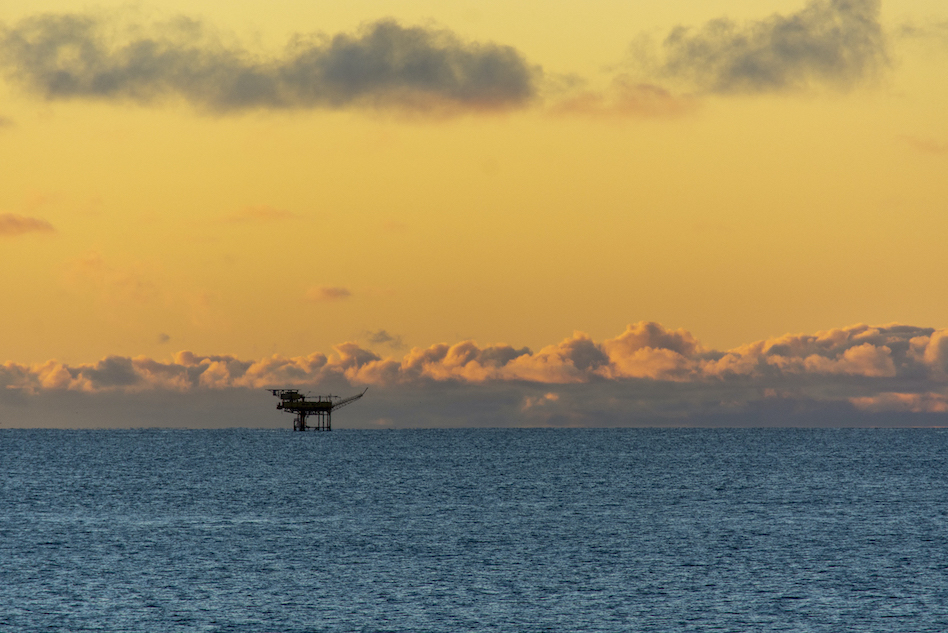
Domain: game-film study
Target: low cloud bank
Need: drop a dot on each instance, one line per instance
(384, 65)
(648, 372)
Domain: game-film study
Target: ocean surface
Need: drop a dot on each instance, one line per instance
(474, 530)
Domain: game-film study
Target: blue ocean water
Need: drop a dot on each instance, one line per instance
(474, 530)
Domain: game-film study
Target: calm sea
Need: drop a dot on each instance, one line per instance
(474, 530)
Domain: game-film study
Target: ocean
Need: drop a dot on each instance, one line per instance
(519, 530)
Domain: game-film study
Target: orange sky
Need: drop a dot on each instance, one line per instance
(227, 181)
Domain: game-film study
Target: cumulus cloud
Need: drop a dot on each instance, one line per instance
(645, 350)
(328, 293)
(12, 225)
(384, 65)
(648, 350)
(646, 373)
(836, 43)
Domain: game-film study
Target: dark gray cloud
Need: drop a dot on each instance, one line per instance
(383, 65)
(383, 337)
(113, 371)
(830, 42)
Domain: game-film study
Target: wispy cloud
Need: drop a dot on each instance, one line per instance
(118, 285)
(395, 226)
(626, 98)
(836, 43)
(383, 65)
(927, 145)
(328, 293)
(933, 31)
(910, 402)
(12, 225)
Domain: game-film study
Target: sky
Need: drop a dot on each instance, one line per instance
(722, 213)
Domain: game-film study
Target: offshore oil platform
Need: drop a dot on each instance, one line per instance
(292, 401)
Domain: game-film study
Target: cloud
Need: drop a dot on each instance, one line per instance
(533, 402)
(912, 402)
(395, 226)
(260, 214)
(163, 338)
(626, 98)
(384, 65)
(648, 374)
(932, 31)
(116, 285)
(927, 145)
(6, 122)
(12, 225)
(836, 43)
(645, 350)
(328, 293)
(382, 337)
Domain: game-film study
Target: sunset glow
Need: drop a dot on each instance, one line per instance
(712, 197)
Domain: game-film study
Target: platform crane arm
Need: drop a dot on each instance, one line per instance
(349, 400)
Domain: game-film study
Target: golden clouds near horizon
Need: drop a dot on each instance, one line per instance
(651, 372)
(503, 200)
